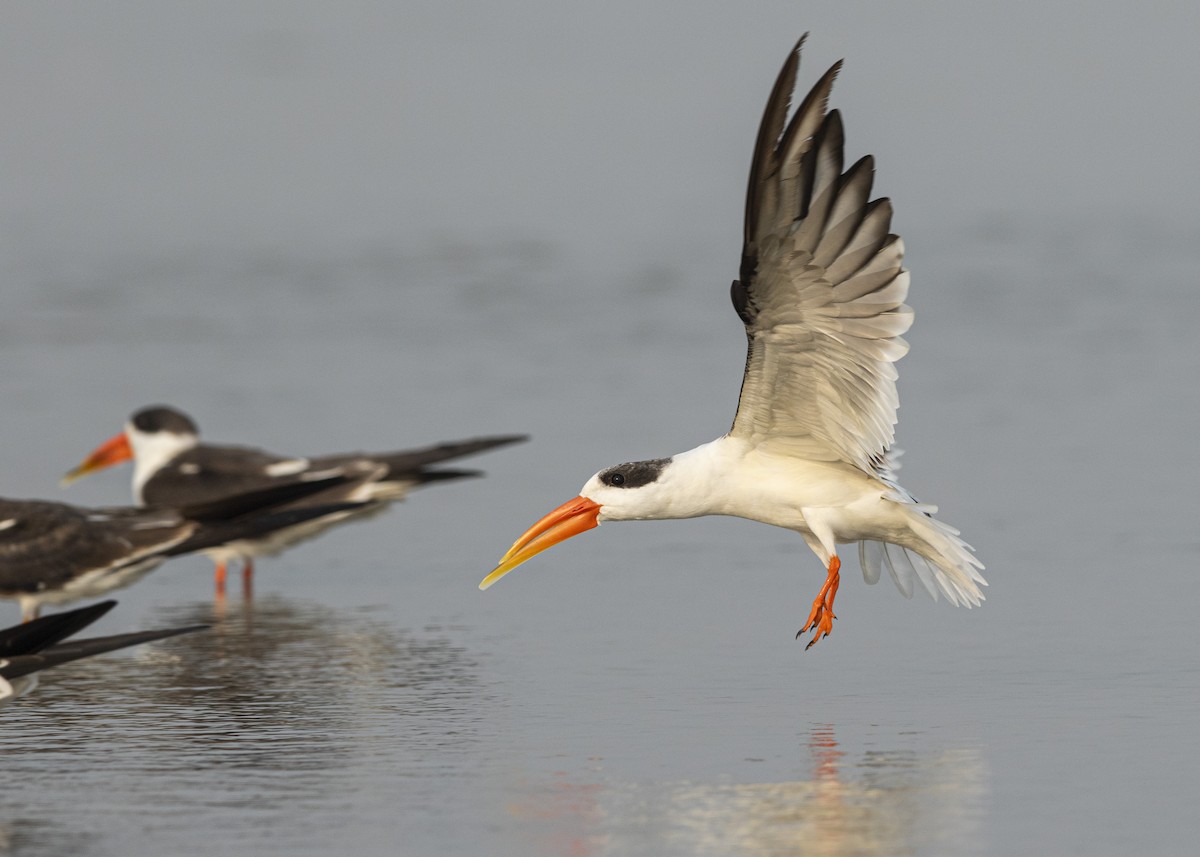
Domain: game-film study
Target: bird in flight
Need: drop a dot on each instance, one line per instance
(821, 294)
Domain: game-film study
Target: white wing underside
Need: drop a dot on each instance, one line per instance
(822, 292)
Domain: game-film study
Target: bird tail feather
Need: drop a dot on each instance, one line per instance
(956, 576)
(942, 562)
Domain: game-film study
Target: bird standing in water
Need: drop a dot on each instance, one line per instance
(173, 468)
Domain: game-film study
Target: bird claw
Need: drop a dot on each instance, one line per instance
(820, 621)
(816, 637)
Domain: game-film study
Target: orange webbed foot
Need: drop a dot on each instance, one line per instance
(822, 626)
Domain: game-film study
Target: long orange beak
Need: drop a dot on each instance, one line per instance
(570, 519)
(112, 451)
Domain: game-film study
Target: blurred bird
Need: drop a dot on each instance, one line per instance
(53, 553)
(27, 649)
(821, 294)
(172, 467)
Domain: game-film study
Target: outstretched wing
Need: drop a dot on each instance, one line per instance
(821, 290)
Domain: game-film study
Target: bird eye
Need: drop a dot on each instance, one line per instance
(616, 479)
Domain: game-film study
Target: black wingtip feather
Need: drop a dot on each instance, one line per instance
(37, 634)
(76, 649)
(404, 464)
(781, 139)
(446, 475)
(769, 129)
(811, 112)
(830, 135)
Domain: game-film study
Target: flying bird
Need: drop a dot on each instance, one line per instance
(27, 649)
(821, 294)
(172, 467)
(53, 553)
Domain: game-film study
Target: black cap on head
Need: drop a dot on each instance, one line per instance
(157, 418)
(635, 474)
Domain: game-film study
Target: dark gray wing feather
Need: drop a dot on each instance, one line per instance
(821, 290)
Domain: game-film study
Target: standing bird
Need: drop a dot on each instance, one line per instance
(171, 467)
(821, 293)
(26, 650)
(52, 553)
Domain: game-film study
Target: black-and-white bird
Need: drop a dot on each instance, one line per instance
(53, 553)
(172, 467)
(821, 294)
(29, 648)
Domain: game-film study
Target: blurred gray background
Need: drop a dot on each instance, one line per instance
(327, 226)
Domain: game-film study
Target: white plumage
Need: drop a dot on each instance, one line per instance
(821, 294)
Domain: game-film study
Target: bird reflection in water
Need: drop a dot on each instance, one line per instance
(278, 661)
(32, 836)
(876, 803)
(274, 683)
(236, 731)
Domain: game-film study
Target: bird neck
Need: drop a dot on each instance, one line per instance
(700, 480)
(153, 452)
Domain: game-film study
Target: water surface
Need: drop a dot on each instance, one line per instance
(636, 691)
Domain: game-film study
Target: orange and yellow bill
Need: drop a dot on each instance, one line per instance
(112, 451)
(570, 519)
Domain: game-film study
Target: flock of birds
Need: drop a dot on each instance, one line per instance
(821, 293)
(230, 502)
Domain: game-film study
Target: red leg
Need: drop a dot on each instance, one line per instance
(219, 578)
(820, 619)
(247, 577)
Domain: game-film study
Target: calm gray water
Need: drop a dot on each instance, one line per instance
(636, 691)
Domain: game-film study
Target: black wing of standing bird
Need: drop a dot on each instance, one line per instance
(53, 553)
(29, 648)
